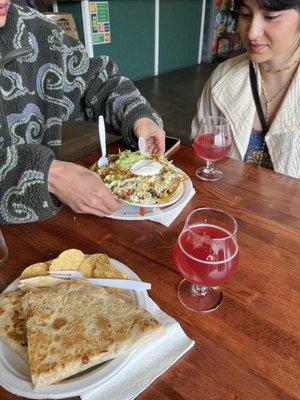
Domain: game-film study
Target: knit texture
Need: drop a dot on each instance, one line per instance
(46, 78)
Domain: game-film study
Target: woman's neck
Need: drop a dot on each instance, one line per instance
(283, 61)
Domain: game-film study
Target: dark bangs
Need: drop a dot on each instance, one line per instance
(275, 5)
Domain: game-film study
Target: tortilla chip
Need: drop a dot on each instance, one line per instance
(38, 269)
(88, 265)
(67, 260)
(104, 269)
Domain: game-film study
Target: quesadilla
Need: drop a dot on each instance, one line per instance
(12, 324)
(74, 326)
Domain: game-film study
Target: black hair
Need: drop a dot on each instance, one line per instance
(275, 5)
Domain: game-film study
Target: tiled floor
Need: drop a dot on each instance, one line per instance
(174, 95)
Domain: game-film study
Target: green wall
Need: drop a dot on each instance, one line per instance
(132, 34)
(179, 29)
(132, 37)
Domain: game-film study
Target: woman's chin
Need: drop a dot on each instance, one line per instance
(258, 58)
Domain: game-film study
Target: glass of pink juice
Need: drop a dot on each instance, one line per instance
(212, 143)
(206, 255)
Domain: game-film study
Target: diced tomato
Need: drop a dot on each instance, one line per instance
(128, 193)
(142, 211)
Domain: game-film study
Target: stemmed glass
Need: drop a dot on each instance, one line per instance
(3, 249)
(206, 255)
(212, 143)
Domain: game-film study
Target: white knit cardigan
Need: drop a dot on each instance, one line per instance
(228, 94)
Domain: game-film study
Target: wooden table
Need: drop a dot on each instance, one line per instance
(249, 348)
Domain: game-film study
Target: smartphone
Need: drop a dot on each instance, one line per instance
(172, 145)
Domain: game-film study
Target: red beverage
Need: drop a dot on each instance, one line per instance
(212, 147)
(201, 259)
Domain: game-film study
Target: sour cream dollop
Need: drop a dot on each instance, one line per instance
(146, 168)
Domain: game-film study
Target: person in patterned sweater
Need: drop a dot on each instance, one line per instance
(46, 78)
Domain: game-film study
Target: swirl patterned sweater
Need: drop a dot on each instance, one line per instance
(46, 78)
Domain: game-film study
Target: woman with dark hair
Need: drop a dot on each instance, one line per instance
(259, 92)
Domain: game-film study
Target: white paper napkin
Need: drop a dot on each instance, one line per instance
(168, 217)
(147, 364)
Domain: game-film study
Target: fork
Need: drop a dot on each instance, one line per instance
(142, 145)
(102, 162)
(117, 283)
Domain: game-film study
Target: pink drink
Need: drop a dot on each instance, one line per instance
(199, 257)
(212, 147)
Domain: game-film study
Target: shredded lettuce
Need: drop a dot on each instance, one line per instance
(127, 158)
(138, 189)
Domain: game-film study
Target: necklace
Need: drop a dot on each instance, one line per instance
(263, 155)
(285, 66)
(269, 101)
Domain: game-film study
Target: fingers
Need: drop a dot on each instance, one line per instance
(81, 189)
(151, 145)
(94, 211)
(98, 207)
(153, 134)
(155, 145)
(161, 145)
(103, 202)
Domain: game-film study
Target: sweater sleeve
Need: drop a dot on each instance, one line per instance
(108, 93)
(24, 195)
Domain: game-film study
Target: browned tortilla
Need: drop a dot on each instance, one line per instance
(74, 326)
(12, 325)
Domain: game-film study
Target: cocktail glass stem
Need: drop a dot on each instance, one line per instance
(209, 167)
(199, 298)
(200, 290)
(209, 172)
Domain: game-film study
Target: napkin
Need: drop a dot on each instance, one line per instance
(168, 217)
(147, 363)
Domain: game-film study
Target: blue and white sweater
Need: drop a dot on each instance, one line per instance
(46, 78)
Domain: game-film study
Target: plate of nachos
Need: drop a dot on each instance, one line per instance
(142, 180)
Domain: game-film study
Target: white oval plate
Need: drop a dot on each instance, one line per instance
(132, 213)
(15, 374)
(172, 200)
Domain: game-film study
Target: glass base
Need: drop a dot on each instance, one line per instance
(209, 174)
(199, 298)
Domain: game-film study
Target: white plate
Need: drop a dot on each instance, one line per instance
(15, 374)
(132, 213)
(172, 200)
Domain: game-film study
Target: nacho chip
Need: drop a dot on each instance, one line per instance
(104, 269)
(87, 266)
(68, 260)
(38, 269)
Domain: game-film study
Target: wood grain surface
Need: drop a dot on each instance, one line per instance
(249, 348)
